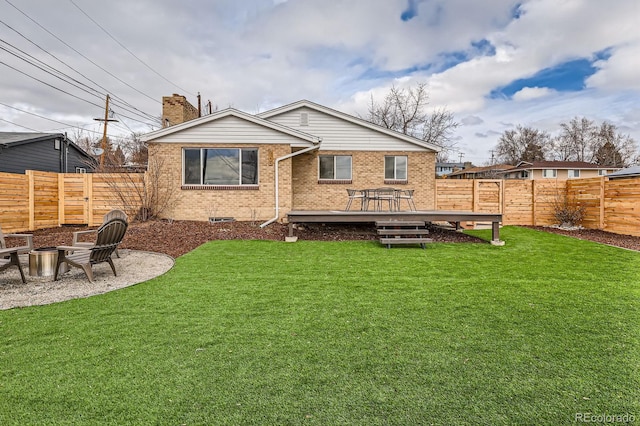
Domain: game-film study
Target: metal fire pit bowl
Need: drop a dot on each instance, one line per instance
(42, 262)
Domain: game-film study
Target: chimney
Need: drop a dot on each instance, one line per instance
(176, 110)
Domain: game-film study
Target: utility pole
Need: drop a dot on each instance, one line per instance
(104, 134)
(460, 155)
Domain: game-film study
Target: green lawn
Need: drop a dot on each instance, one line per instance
(262, 332)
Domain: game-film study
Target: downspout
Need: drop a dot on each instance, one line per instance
(278, 160)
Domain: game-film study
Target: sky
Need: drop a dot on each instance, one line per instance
(494, 64)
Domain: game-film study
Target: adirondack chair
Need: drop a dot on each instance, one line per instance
(24, 248)
(78, 235)
(109, 235)
(9, 256)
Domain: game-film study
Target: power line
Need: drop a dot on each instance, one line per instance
(120, 100)
(130, 52)
(76, 51)
(19, 125)
(45, 118)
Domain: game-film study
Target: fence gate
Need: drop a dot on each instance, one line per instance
(74, 198)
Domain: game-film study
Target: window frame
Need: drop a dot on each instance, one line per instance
(602, 172)
(573, 172)
(335, 168)
(395, 176)
(554, 173)
(202, 158)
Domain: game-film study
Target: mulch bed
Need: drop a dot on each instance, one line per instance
(179, 237)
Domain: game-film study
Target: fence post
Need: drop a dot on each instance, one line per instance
(88, 196)
(32, 200)
(602, 193)
(533, 202)
(476, 185)
(61, 201)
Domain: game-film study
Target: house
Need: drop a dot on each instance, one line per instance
(556, 170)
(445, 169)
(486, 172)
(629, 172)
(301, 156)
(48, 152)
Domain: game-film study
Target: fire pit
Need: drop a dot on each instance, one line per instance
(42, 262)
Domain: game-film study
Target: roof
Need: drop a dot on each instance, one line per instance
(632, 171)
(524, 165)
(226, 113)
(473, 170)
(11, 139)
(350, 118)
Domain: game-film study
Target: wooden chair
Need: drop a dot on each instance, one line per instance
(9, 257)
(113, 214)
(109, 235)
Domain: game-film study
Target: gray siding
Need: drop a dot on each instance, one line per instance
(42, 156)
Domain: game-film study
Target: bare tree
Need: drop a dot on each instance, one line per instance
(522, 144)
(575, 140)
(404, 110)
(612, 148)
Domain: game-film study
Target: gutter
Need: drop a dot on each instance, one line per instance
(278, 160)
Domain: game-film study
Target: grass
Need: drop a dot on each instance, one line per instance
(258, 332)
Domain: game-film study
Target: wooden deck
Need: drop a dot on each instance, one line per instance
(359, 216)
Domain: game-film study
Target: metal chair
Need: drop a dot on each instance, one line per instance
(405, 194)
(355, 194)
(110, 234)
(385, 196)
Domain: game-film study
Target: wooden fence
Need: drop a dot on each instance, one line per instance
(38, 200)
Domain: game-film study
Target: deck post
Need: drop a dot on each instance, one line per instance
(495, 234)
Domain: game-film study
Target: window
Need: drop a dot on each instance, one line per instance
(81, 170)
(335, 167)
(395, 167)
(574, 174)
(549, 173)
(220, 166)
(602, 172)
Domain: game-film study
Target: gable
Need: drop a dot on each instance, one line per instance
(233, 127)
(342, 132)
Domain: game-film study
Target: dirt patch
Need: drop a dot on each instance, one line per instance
(624, 241)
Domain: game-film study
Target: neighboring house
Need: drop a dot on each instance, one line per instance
(445, 169)
(47, 152)
(556, 170)
(487, 172)
(629, 172)
(302, 156)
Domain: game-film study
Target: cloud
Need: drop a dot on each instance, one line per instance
(530, 93)
(471, 120)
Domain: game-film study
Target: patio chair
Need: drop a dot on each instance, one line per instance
(355, 194)
(405, 194)
(113, 214)
(109, 235)
(385, 196)
(22, 249)
(9, 257)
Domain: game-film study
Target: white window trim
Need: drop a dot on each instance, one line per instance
(544, 173)
(395, 167)
(202, 149)
(335, 156)
(571, 173)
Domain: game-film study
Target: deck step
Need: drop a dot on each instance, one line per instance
(403, 232)
(387, 241)
(399, 223)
